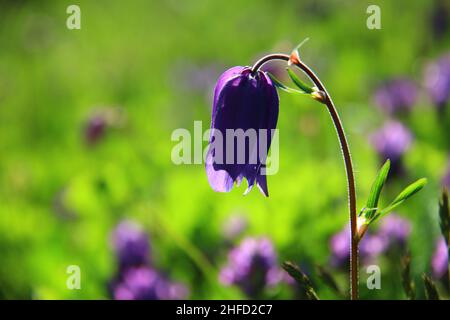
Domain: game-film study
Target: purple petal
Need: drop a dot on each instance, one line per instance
(245, 104)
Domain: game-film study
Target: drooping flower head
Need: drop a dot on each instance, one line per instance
(437, 81)
(396, 95)
(391, 142)
(252, 266)
(244, 117)
(439, 262)
(131, 245)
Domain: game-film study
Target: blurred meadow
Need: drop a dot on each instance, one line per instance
(86, 118)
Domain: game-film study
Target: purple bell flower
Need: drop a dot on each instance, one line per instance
(439, 263)
(131, 245)
(437, 81)
(252, 266)
(391, 142)
(144, 283)
(243, 103)
(396, 95)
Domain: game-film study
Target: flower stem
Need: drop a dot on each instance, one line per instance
(346, 155)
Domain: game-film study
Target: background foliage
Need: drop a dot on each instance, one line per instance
(157, 61)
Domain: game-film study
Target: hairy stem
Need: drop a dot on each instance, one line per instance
(346, 155)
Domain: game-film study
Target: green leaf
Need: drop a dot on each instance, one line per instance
(283, 87)
(408, 192)
(299, 83)
(430, 288)
(377, 186)
(302, 279)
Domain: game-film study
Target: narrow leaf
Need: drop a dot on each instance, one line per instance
(377, 186)
(302, 279)
(444, 216)
(283, 87)
(301, 44)
(430, 288)
(299, 83)
(295, 55)
(408, 284)
(405, 194)
(329, 280)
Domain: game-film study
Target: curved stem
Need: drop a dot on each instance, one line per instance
(347, 160)
(275, 56)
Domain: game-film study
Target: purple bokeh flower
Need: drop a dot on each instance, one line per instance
(391, 142)
(340, 247)
(100, 121)
(243, 103)
(131, 245)
(439, 262)
(234, 226)
(144, 283)
(371, 246)
(395, 229)
(136, 279)
(437, 81)
(95, 129)
(193, 77)
(396, 95)
(252, 266)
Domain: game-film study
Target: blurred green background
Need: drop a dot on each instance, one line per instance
(150, 67)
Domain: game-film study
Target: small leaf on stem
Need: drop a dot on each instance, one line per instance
(377, 186)
(405, 194)
(299, 83)
(283, 87)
